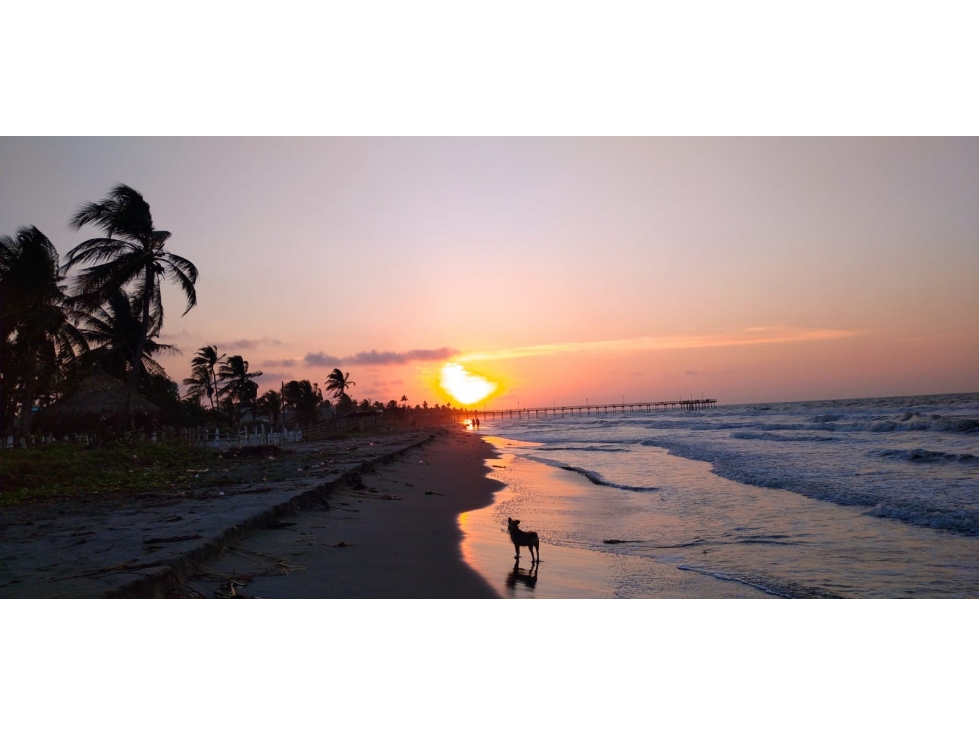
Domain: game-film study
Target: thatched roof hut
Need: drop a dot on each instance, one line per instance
(98, 402)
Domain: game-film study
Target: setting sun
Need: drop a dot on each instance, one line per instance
(464, 386)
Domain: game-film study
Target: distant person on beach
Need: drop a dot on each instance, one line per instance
(477, 424)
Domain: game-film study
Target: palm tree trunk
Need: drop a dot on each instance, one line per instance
(27, 399)
(214, 387)
(138, 356)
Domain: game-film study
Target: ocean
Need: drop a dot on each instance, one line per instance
(841, 498)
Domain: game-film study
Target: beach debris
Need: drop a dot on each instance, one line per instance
(409, 484)
(389, 497)
(616, 541)
(229, 590)
(341, 544)
(440, 494)
(278, 525)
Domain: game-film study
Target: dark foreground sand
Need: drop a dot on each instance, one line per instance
(396, 536)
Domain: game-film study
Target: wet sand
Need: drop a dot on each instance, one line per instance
(567, 573)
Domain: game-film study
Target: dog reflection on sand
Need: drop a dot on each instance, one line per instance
(518, 575)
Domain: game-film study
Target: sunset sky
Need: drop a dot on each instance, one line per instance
(564, 269)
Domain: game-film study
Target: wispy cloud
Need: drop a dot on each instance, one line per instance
(250, 343)
(754, 335)
(280, 363)
(373, 357)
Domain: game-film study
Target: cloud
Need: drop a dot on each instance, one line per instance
(320, 360)
(392, 383)
(691, 373)
(373, 357)
(250, 343)
(280, 363)
(754, 335)
(269, 376)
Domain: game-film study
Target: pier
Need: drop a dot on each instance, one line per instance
(587, 409)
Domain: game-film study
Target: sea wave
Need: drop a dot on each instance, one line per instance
(749, 470)
(592, 476)
(919, 422)
(924, 455)
(600, 449)
(785, 589)
(763, 436)
(596, 478)
(960, 522)
(828, 418)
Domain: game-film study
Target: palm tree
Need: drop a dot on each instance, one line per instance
(404, 400)
(202, 365)
(304, 398)
(114, 329)
(200, 384)
(239, 386)
(338, 383)
(131, 254)
(271, 403)
(344, 404)
(36, 334)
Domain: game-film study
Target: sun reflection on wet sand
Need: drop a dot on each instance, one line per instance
(564, 572)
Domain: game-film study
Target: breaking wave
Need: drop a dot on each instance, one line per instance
(924, 455)
(752, 436)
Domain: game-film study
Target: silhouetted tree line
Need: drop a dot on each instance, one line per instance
(101, 310)
(54, 331)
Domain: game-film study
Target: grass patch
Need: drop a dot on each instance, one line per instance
(72, 470)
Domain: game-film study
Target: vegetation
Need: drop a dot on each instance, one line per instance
(338, 383)
(204, 379)
(78, 337)
(69, 470)
(112, 331)
(304, 398)
(38, 342)
(239, 387)
(131, 254)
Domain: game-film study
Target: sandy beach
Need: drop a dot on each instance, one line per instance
(393, 534)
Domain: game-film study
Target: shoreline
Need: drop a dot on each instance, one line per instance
(567, 572)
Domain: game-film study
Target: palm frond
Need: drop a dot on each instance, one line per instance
(97, 250)
(185, 281)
